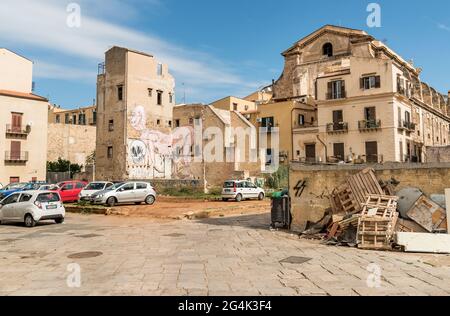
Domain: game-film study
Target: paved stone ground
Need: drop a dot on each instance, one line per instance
(224, 256)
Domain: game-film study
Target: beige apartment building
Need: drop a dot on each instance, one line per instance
(203, 125)
(86, 116)
(135, 100)
(370, 103)
(23, 122)
(234, 104)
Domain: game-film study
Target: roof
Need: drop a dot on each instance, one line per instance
(22, 95)
(15, 53)
(326, 29)
(133, 51)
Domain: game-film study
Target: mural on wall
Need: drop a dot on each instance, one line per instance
(158, 155)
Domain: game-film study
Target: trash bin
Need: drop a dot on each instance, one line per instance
(281, 211)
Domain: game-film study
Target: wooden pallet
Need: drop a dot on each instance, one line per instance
(376, 233)
(380, 205)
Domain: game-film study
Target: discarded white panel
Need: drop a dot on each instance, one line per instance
(424, 242)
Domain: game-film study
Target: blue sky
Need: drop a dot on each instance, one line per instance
(215, 47)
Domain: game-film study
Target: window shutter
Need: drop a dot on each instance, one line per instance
(344, 95)
(361, 83)
(377, 82)
(330, 89)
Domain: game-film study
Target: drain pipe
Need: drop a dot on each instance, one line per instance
(325, 146)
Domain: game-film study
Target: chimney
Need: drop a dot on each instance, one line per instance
(448, 98)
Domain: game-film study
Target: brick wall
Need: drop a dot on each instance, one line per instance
(431, 178)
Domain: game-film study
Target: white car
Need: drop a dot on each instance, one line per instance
(31, 207)
(241, 190)
(93, 187)
(127, 192)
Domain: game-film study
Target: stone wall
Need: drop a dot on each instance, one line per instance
(438, 154)
(195, 185)
(71, 142)
(310, 186)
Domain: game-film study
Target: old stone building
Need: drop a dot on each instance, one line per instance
(135, 98)
(370, 103)
(23, 122)
(220, 147)
(234, 104)
(86, 116)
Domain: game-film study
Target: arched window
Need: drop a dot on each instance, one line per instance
(328, 50)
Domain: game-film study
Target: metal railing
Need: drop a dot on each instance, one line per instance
(369, 125)
(337, 96)
(13, 129)
(12, 156)
(409, 126)
(339, 127)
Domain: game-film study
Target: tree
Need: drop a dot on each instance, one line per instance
(62, 165)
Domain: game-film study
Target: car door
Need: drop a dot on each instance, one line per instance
(252, 190)
(20, 207)
(78, 188)
(8, 207)
(126, 193)
(141, 191)
(66, 192)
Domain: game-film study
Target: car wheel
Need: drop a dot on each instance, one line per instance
(29, 221)
(59, 220)
(261, 196)
(111, 202)
(239, 198)
(150, 200)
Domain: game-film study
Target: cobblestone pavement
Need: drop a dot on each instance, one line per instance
(224, 256)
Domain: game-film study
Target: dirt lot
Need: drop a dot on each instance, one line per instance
(179, 208)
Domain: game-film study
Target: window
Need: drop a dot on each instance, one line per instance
(11, 199)
(235, 106)
(370, 114)
(191, 121)
(372, 152)
(16, 122)
(177, 123)
(67, 118)
(48, 197)
(301, 120)
(158, 122)
(111, 125)
(141, 186)
(74, 119)
(120, 93)
(370, 82)
(170, 97)
(25, 198)
(339, 151)
(328, 50)
(79, 185)
(407, 117)
(338, 117)
(336, 90)
(150, 92)
(82, 119)
(15, 150)
(94, 117)
(159, 69)
(58, 119)
(268, 122)
(169, 123)
(110, 152)
(14, 180)
(401, 85)
(269, 156)
(159, 100)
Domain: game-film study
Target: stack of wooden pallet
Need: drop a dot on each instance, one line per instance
(350, 197)
(377, 222)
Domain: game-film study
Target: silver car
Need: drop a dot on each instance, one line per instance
(127, 192)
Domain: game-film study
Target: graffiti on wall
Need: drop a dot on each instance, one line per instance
(156, 154)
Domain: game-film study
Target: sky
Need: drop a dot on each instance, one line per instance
(214, 48)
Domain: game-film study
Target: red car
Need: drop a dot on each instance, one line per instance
(69, 190)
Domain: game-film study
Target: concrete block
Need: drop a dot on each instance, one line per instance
(427, 243)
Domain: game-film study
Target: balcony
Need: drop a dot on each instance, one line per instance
(16, 157)
(369, 125)
(336, 128)
(17, 131)
(407, 126)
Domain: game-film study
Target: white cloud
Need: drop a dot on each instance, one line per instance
(42, 25)
(54, 71)
(444, 27)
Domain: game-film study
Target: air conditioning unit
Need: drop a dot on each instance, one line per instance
(259, 120)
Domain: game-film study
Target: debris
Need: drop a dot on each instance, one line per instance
(429, 215)
(427, 243)
(409, 226)
(407, 197)
(438, 199)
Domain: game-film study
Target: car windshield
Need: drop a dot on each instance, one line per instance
(115, 186)
(14, 186)
(228, 184)
(31, 186)
(95, 186)
(48, 197)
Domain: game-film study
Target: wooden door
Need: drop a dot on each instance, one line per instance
(16, 122)
(339, 151)
(310, 152)
(372, 152)
(15, 150)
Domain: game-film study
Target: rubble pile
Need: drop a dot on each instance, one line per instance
(370, 214)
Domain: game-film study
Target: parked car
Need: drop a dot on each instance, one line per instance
(127, 192)
(11, 188)
(69, 190)
(92, 188)
(241, 190)
(37, 186)
(31, 207)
